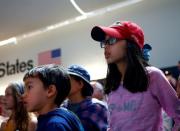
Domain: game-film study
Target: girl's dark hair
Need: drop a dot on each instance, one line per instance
(21, 115)
(86, 90)
(52, 75)
(136, 78)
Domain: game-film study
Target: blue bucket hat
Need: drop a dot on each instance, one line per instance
(79, 71)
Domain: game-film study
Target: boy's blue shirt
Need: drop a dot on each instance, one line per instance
(59, 119)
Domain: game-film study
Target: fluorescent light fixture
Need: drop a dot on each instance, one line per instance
(77, 7)
(58, 25)
(64, 23)
(50, 27)
(12, 40)
(34, 33)
(84, 15)
(112, 7)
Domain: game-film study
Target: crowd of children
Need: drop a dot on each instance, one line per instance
(52, 98)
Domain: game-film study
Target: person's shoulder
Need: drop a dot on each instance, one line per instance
(3, 119)
(65, 112)
(96, 101)
(154, 71)
(55, 126)
(61, 115)
(32, 123)
(64, 120)
(3, 124)
(68, 115)
(97, 105)
(55, 122)
(95, 112)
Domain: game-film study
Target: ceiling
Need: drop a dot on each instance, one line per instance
(23, 16)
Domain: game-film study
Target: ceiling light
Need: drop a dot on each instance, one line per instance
(83, 16)
(12, 40)
(77, 7)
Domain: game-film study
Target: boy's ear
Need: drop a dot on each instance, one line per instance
(81, 83)
(51, 91)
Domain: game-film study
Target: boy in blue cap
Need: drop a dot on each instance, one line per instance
(46, 88)
(92, 112)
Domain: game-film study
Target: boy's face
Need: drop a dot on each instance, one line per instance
(76, 87)
(35, 96)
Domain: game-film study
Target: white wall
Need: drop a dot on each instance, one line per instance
(160, 20)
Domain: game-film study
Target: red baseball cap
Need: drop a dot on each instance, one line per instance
(121, 30)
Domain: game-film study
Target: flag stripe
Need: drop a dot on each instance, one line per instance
(49, 57)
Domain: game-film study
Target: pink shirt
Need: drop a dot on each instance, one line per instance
(142, 111)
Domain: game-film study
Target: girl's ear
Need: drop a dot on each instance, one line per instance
(51, 91)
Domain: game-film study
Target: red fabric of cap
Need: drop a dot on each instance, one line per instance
(121, 30)
(112, 32)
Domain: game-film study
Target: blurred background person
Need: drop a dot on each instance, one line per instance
(176, 70)
(4, 113)
(19, 118)
(170, 78)
(178, 82)
(98, 92)
(178, 87)
(178, 67)
(146, 52)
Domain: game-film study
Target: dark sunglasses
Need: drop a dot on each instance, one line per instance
(109, 41)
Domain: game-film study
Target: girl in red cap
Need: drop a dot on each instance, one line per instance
(136, 91)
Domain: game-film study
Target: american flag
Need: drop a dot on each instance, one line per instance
(50, 57)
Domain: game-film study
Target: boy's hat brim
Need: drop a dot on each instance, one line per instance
(81, 73)
(75, 74)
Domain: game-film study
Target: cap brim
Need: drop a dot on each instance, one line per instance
(98, 33)
(75, 74)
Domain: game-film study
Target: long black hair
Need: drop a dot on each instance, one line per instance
(136, 78)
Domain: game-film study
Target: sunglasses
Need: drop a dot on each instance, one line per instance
(109, 41)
